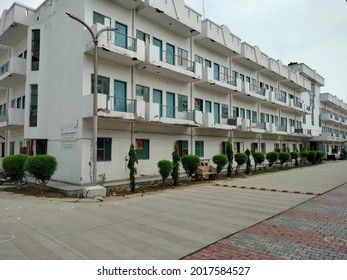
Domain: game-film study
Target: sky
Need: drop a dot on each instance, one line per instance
(308, 31)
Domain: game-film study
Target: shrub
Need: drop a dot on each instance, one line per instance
(220, 161)
(319, 156)
(272, 157)
(240, 159)
(283, 157)
(176, 159)
(42, 167)
(248, 162)
(190, 164)
(102, 179)
(304, 156)
(311, 157)
(131, 166)
(258, 159)
(165, 168)
(230, 155)
(295, 156)
(14, 167)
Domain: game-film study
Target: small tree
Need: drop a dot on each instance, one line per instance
(283, 157)
(240, 159)
(319, 156)
(272, 157)
(295, 156)
(165, 168)
(220, 161)
(248, 162)
(14, 167)
(190, 164)
(176, 159)
(311, 157)
(304, 156)
(258, 159)
(131, 166)
(230, 155)
(42, 167)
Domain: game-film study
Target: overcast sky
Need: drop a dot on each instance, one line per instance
(309, 31)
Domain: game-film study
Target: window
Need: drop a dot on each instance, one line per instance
(41, 147)
(248, 79)
(182, 103)
(35, 50)
(182, 57)
(198, 104)
(267, 118)
(277, 147)
(216, 68)
(104, 149)
(142, 149)
(199, 148)
(262, 117)
(208, 107)
(198, 59)
(13, 103)
(12, 144)
(225, 111)
(225, 74)
(254, 147)
(99, 18)
(158, 43)
(142, 93)
(33, 105)
(242, 113)
(239, 147)
(236, 111)
(254, 117)
(103, 85)
(263, 148)
(19, 103)
(208, 63)
(248, 114)
(242, 77)
(182, 146)
(142, 36)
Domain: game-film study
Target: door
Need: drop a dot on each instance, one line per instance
(216, 113)
(170, 54)
(216, 71)
(158, 43)
(158, 99)
(121, 35)
(170, 105)
(120, 95)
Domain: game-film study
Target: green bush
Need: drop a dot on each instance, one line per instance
(42, 167)
(131, 166)
(248, 162)
(190, 164)
(14, 167)
(319, 156)
(176, 159)
(221, 161)
(283, 157)
(258, 159)
(241, 159)
(311, 157)
(165, 168)
(295, 156)
(272, 157)
(304, 156)
(230, 155)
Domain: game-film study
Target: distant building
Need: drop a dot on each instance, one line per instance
(166, 77)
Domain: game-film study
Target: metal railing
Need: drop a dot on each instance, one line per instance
(282, 128)
(3, 116)
(118, 104)
(173, 59)
(123, 41)
(257, 89)
(176, 113)
(4, 68)
(280, 97)
(219, 76)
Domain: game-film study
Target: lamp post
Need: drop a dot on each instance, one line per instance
(95, 36)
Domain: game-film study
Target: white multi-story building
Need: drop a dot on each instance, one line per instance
(166, 76)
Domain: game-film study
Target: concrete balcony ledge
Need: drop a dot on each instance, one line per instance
(13, 72)
(252, 57)
(12, 118)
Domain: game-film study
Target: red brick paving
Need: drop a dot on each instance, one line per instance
(307, 215)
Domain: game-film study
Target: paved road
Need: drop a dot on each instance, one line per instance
(166, 225)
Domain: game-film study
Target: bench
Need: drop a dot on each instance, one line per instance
(205, 170)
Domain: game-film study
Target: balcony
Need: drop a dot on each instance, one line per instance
(282, 129)
(172, 115)
(308, 73)
(219, 82)
(170, 65)
(115, 108)
(174, 15)
(221, 122)
(129, 4)
(252, 93)
(13, 118)
(13, 72)
(117, 47)
(327, 98)
(297, 105)
(260, 127)
(275, 70)
(14, 24)
(278, 100)
(252, 57)
(296, 82)
(219, 39)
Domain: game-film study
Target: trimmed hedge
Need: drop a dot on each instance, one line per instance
(295, 156)
(165, 168)
(304, 156)
(272, 157)
(14, 166)
(259, 158)
(241, 159)
(190, 164)
(311, 157)
(283, 157)
(221, 161)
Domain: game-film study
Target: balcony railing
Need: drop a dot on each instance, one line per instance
(257, 89)
(171, 112)
(282, 128)
(280, 97)
(176, 60)
(225, 78)
(123, 41)
(4, 69)
(118, 104)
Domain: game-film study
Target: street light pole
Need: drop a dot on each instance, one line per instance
(95, 37)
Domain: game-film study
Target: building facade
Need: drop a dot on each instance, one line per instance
(166, 76)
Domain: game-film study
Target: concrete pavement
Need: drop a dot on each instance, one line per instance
(166, 225)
